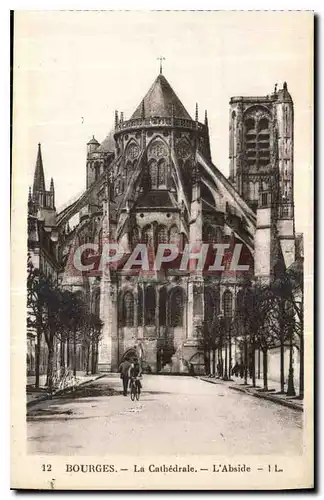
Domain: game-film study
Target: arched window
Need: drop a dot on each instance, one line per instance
(174, 235)
(257, 141)
(135, 236)
(97, 170)
(128, 309)
(147, 235)
(153, 169)
(210, 304)
(162, 306)
(183, 241)
(162, 173)
(149, 306)
(161, 234)
(227, 304)
(128, 169)
(176, 304)
(208, 233)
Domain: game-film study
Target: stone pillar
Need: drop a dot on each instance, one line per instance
(108, 309)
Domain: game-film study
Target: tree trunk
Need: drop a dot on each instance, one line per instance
(225, 377)
(246, 361)
(68, 360)
(265, 369)
(96, 358)
(229, 353)
(37, 357)
(214, 362)
(50, 362)
(282, 364)
(253, 364)
(93, 358)
(301, 366)
(74, 353)
(62, 350)
(87, 358)
(206, 360)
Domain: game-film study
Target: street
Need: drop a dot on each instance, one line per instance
(175, 415)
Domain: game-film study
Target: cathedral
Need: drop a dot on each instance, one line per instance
(152, 180)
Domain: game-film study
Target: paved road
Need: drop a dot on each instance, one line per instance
(180, 415)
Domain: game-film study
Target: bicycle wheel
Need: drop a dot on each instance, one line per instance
(133, 391)
(137, 391)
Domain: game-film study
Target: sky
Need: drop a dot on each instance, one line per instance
(73, 69)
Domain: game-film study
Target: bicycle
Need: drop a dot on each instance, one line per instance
(135, 388)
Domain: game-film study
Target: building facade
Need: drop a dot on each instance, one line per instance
(152, 181)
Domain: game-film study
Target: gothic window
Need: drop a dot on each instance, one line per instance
(146, 235)
(227, 304)
(97, 170)
(135, 236)
(174, 235)
(128, 169)
(257, 141)
(162, 173)
(183, 241)
(210, 304)
(149, 306)
(162, 306)
(208, 233)
(157, 149)
(176, 304)
(132, 151)
(153, 173)
(264, 199)
(128, 309)
(162, 234)
(263, 140)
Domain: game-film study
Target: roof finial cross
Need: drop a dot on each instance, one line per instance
(161, 59)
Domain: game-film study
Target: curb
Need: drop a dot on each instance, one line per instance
(62, 391)
(268, 397)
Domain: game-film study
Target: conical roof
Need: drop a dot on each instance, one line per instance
(160, 100)
(108, 144)
(39, 178)
(93, 141)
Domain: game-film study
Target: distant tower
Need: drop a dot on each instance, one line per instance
(40, 201)
(93, 163)
(285, 153)
(261, 146)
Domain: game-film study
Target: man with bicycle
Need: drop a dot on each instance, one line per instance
(135, 373)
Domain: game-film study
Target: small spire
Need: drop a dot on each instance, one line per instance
(161, 59)
(52, 185)
(196, 113)
(29, 194)
(276, 88)
(39, 178)
(172, 110)
(116, 118)
(143, 109)
(206, 118)
(121, 116)
(285, 86)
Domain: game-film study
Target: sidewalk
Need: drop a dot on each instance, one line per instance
(35, 395)
(273, 394)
